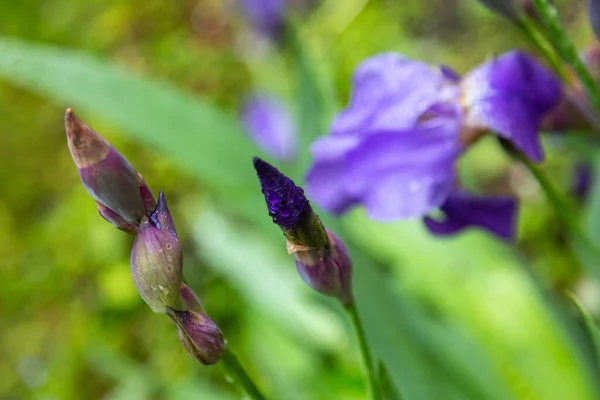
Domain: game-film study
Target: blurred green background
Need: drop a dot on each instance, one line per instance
(460, 318)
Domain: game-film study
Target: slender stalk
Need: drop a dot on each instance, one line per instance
(583, 247)
(566, 49)
(532, 34)
(234, 368)
(364, 349)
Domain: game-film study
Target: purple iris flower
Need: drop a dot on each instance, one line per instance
(270, 125)
(395, 147)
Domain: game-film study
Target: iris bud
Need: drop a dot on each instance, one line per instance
(156, 260)
(326, 270)
(289, 208)
(199, 335)
(107, 175)
(321, 257)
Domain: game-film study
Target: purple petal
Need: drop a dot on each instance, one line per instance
(510, 95)
(271, 127)
(512, 119)
(391, 92)
(325, 183)
(396, 175)
(461, 209)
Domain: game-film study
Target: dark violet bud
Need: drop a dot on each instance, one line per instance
(509, 9)
(199, 335)
(289, 207)
(107, 175)
(326, 270)
(593, 7)
(156, 260)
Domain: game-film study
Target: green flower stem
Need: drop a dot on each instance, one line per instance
(582, 246)
(364, 349)
(567, 50)
(532, 34)
(234, 368)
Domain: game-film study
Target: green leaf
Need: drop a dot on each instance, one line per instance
(475, 282)
(185, 127)
(387, 388)
(592, 213)
(591, 327)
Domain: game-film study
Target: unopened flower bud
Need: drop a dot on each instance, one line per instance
(509, 9)
(321, 257)
(156, 260)
(199, 335)
(326, 270)
(289, 207)
(107, 175)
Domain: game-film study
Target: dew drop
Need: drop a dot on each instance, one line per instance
(414, 186)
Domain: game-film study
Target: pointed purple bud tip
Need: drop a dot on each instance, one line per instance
(289, 207)
(286, 202)
(106, 175)
(199, 335)
(157, 266)
(161, 217)
(327, 270)
(86, 146)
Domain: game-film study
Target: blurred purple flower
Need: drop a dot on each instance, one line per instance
(265, 16)
(270, 125)
(461, 209)
(394, 148)
(268, 16)
(582, 180)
